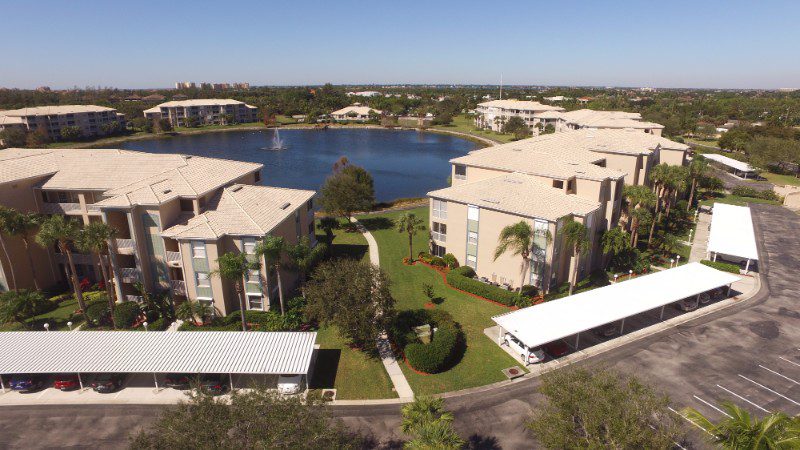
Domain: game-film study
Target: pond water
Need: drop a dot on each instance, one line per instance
(404, 163)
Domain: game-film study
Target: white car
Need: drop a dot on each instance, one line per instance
(526, 354)
(290, 384)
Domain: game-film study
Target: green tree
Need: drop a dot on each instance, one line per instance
(430, 425)
(37, 139)
(21, 225)
(740, 430)
(71, 133)
(517, 127)
(303, 257)
(235, 267)
(638, 197)
(327, 224)
(735, 139)
(519, 239)
(614, 242)
(575, 235)
(13, 137)
(345, 192)
(94, 239)
(697, 169)
(352, 295)
(409, 223)
(7, 216)
(61, 232)
(272, 248)
(259, 418)
(19, 306)
(591, 408)
(549, 129)
(191, 310)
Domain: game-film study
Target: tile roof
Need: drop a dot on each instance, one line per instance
(55, 109)
(520, 104)
(607, 119)
(360, 110)
(241, 210)
(203, 102)
(518, 194)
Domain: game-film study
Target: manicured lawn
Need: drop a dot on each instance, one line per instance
(466, 124)
(780, 179)
(705, 143)
(202, 128)
(483, 360)
(736, 200)
(347, 244)
(58, 317)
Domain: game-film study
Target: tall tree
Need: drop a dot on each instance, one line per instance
(409, 223)
(637, 197)
(430, 425)
(658, 179)
(519, 239)
(94, 239)
(272, 248)
(614, 242)
(303, 257)
(235, 267)
(327, 224)
(349, 189)
(61, 232)
(6, 218)
(19, 306)
(698, 169)
(575, 236)
(740, 430)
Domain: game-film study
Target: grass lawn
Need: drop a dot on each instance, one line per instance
(465, 124)
(200, 129)
(703, 142)
(780, 179)
(58, 317)
(483, 359)
(736, 200)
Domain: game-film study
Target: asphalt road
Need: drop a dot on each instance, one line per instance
(747, 354)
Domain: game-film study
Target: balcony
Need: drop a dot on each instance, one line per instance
(134, 298)
(61, 208)
(178, 287)
(93, 209)
(174, 259)
(126, 246)
(130, 275)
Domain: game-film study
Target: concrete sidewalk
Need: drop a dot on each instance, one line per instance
(700, 239)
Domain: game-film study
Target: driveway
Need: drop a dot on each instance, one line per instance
(746, 354)
(730, 181)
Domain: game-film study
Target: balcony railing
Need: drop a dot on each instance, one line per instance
(93, 209)
(126, 246)
(130, 275)
(178, 287)
(61, 208)
(174, 258)
(77, 258)
(134, 298)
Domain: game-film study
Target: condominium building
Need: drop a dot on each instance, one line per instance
(174, 216)
(90, 119)
(203, 111)
(494, 114)
(545, 181)
(619, 120)
(355, 113)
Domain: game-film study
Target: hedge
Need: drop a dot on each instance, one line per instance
(432, 260)
(723, 266)
(443, 350)
(451, 260)
(746, 191)
(468, 284)
(97, 313)
(269, 320)
(126, 313)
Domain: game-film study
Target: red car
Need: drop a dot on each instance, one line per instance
(66, 382)
(556, 348)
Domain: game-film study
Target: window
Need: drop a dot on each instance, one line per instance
(254, 276)
(439, 232)
(258, 176)
(187, 205)
(202, 279)
(472, 261)
(558, 184)
(460, 171)
(249, 245)
(571, 185)
(255, 302)
(438, 250)
(473, 213)
(472, 238)
(198, 249)
(439, 209)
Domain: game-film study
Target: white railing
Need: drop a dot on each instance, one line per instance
(130, 275)
(134, 298)
(126, 246)
(93, 209)
(61, 208)
(441, 237)
(174, 257)
(178, 287)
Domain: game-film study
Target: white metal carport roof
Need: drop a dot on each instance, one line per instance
(556, 319)
(156, 352)
(732, 232)
(729, 162)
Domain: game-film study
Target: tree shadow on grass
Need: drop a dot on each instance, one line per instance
(325, 370)
(351, 251)
(377, 223)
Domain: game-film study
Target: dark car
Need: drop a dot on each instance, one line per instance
(178, 380)
(66, 382)
(26, 383)
(213, 383)
(556, 348)
(607, 331)
(107, 382)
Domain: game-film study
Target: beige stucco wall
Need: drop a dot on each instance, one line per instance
(672, 157)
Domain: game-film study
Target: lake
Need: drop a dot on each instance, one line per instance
(404, 163)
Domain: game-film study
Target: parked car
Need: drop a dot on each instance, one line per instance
(687, 304)
(66, 382)
(107, 382)
(291, 384)
(526, 354)
(556, 348)
(213, 383)
(607, 331)
(178, 380)
(26, 382)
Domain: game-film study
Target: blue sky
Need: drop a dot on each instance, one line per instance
(725, 44)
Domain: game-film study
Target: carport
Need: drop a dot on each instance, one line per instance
(215, 352)
(731, 234)
(557, 319)
(739, 168)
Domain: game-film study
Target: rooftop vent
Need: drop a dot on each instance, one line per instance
(167, 191)
(285, 205)
(490, 200)
(237, 188)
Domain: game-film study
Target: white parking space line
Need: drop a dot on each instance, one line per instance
(712, 406)
(688, 420)
(790, 362)
(768, 389)
(739, 396)
(779, 374)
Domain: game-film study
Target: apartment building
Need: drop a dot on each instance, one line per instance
(90, 119)
(174, 216)
(355, 113)
(204, 111)
(584, 170)
(614, 120)
(492, 115)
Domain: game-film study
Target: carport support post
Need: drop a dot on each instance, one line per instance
(80, 381)
(577, 341)
(622, 327)
(747, 267)
(2, 384)
(230, 376)
(662, 312)
(155, 380)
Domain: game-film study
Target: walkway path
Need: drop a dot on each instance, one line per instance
(700, 240)
(399, 381)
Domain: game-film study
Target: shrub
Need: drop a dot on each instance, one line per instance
(159, 324)
(464, 271)
(528, 291)
(269, 320)
(97, 314)
(443, 350)
(723, 266)
(523, 302)
(126, 314)
(450, 260)
(494, 293)
(437, 262)
(746, 191)
(425, 257)
(215, 325)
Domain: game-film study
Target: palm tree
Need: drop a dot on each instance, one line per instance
(698, 169)
(675, 183)
(271, 248)
(303, 256)
(740, 430)
(409, 223)
(637, 197)
(189, 310)
(61, 232)
(422, 410)
(235, 267)
(519, 240)
(438, 435)
(430, 424)
(94, 239)
(642, 217)
(328, 224)
(658, 178)
(6, 216)
(575, 235)
(614, 242)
